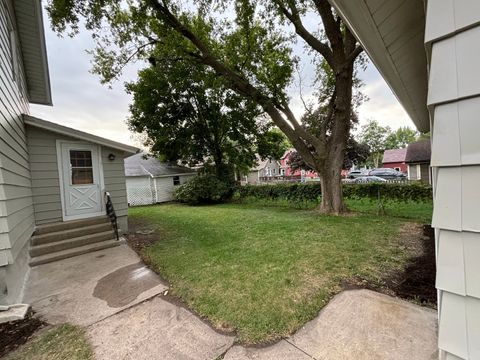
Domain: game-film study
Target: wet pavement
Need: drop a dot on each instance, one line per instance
(88, 288)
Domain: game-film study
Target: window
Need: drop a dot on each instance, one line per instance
(81, 166)
(397, 168)
(274, 171)
(176, 180)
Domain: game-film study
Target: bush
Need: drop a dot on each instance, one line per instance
(296, 192)
(205, 189)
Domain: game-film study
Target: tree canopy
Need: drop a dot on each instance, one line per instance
(189, 115)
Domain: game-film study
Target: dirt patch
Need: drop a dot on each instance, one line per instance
(141, 235)
(417, 280)
(16, 333)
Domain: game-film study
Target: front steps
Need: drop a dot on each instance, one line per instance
(57, 241)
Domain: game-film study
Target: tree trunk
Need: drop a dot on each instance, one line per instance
(332, 198)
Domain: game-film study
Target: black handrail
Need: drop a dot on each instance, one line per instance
(111, 213)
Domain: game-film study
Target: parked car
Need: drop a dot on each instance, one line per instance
(387, 173)
(353, 174)
(369, 179)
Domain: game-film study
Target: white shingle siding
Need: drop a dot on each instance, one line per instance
(16, 206)
(453, 34)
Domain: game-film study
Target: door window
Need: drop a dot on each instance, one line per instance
(81, 166)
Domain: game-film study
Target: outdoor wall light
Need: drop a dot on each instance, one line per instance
(111, 157)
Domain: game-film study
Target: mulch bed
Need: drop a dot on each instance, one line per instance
(418, 279)
(16, 333)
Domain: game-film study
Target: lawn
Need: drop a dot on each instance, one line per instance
(264, 271)
(59, 343)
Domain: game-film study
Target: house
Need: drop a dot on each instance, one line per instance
(395, 159)
(418, 161)
(150, 181)
(49, 174)
(288, 173)
(428, 52)
(266, 170)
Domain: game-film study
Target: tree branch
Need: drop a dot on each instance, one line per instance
(331, 26)
(236, 81)
(294, 16)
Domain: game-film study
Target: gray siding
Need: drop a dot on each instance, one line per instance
(16, 206)
(46, 183)
(453, 35)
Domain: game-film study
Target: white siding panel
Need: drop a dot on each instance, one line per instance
(471, 198)
(452, 332)
(443, 72)
(454, 67)
(164, 188)
(450, 262)
(440, 19)
(445, 17)
(469, 125)
(473, 327)
(446, 138)
(448, 199)
(471, 244)
(468, 59)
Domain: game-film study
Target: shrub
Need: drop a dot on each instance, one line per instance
(296, 192)
(205, 189)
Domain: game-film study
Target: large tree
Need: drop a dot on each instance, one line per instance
(189, 115)
(374, 136)
(400, 138)
(249, 51)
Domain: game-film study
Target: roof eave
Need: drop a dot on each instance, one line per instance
(42, 94)
(412, 95)
(63, 130)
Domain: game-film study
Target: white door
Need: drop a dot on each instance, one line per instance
(81, 180)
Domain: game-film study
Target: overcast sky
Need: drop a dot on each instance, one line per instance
(81, 102)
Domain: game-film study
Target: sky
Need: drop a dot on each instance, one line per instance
(82, 103)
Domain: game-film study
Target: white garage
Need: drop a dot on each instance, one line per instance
(150, 181)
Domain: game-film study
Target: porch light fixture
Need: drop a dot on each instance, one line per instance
(111, 157)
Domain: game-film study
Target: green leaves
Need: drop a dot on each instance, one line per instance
(415, 192)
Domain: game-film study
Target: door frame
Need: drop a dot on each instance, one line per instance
(60, 164)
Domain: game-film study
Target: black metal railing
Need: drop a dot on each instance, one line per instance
(111, 213)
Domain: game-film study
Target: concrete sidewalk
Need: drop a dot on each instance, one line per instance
(117, 299)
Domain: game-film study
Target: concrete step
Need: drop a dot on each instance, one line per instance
(67, 225)
(50, 237)
(64, 254)
(52, 247)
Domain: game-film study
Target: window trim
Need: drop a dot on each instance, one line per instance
(175, 179)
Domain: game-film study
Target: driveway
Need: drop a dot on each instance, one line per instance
(120, 302)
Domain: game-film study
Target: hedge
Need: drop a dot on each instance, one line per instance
(298, 192)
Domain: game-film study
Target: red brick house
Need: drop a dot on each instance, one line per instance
(287, 172)
(395, 159)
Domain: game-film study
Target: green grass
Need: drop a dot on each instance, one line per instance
(266, 270)
(64, 342)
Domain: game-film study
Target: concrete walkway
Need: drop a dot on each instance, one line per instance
(119, 301)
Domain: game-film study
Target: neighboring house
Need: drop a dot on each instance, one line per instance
(418, 160)
(289, 173)
(49, 174)
(266, 170)
(395, 159)
(150, 181)
(429, 52)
